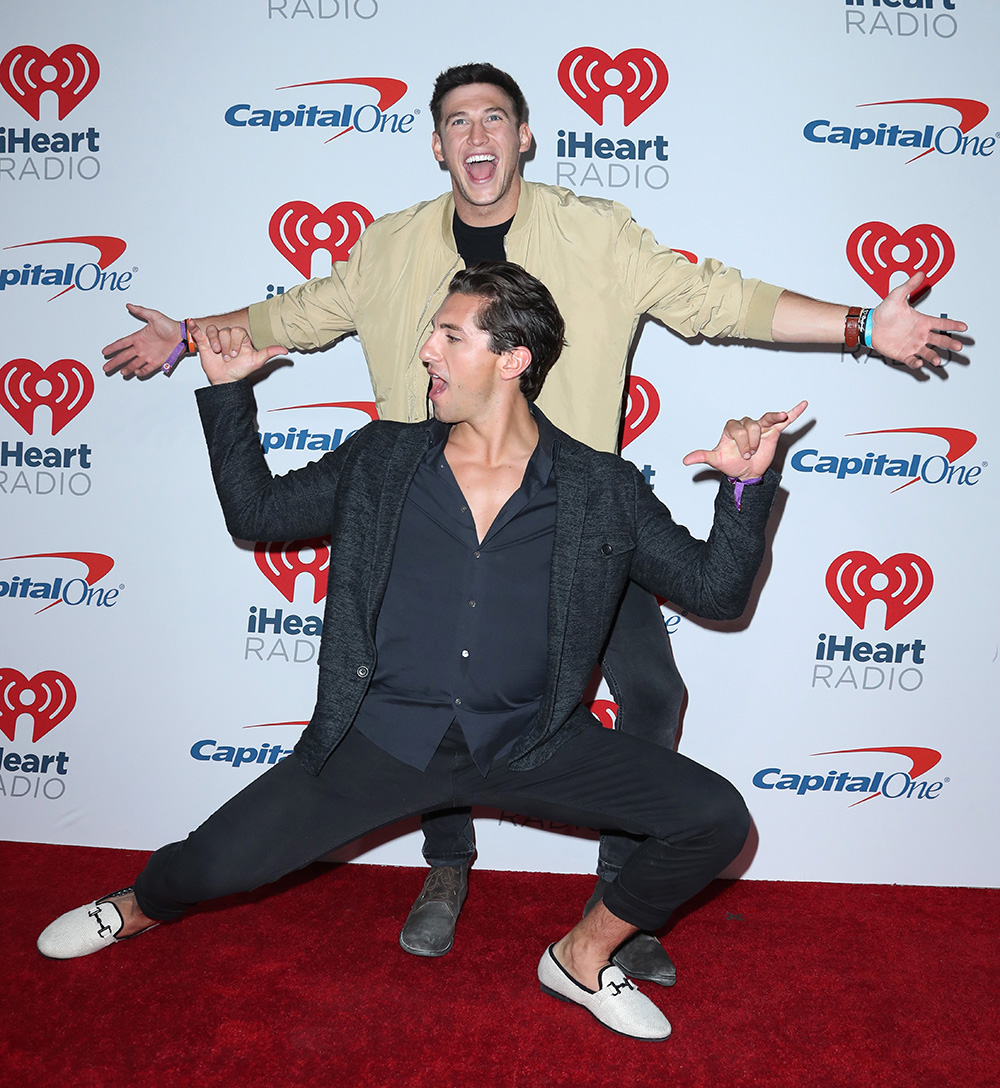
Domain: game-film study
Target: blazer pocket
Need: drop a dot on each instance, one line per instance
(605, 560)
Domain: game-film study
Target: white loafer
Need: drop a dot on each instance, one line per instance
(618, 1004)
(85, 930)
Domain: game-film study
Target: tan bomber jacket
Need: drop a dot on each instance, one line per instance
(603, 269)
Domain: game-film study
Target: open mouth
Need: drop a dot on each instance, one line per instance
(481, 167)
(438, 386)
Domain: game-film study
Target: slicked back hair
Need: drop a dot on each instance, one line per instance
(464, 74)
(516, 310)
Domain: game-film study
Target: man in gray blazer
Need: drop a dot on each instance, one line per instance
(479, 558)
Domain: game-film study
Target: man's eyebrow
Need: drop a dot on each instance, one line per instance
(450, 325)
(488, 109)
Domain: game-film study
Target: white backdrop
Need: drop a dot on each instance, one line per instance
(823, 145)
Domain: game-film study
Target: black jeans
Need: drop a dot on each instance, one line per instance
(692, 821)
(639, 667)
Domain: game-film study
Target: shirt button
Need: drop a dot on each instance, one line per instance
(472, 604)
(606, 549)
(463, 509)
(465, 653)
(458, 702)
(476, 554)
(362, 671)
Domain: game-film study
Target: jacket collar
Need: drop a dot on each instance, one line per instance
(522, 217)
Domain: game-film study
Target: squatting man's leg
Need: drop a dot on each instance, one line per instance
(224, 855)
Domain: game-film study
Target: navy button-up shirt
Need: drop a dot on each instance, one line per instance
(463, 629)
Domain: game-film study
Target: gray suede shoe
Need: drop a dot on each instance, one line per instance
(641, 956)
(429, 929)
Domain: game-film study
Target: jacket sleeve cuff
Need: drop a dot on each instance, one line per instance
(756, 499)
(262, 331)
(760, 311)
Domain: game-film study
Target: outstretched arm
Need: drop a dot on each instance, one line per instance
(899, 332)
(746, 448)
(144, 351)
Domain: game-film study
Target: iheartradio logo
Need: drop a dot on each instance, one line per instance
(282, 563)
(65, 388)
(71, 72)
(903, 582)
(47, 698)
(299, 228)
(877, 251)
(636, 76)
(642, 407)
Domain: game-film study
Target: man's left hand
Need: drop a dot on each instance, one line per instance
(746, 448)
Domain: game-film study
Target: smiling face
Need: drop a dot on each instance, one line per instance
(480, 143)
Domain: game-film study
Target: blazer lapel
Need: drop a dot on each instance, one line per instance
(402, 459)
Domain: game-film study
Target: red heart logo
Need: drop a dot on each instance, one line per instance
(605, 711)
(70, 387)
(51, 696)
(282, 563)
(298, 228)
(908, 581)
(643, 407)
(877, 251)
(24, 76)
(636, 76)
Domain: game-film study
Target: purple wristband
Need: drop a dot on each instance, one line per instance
(175, 356)
(738, 486)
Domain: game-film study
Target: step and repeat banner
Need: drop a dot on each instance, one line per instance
(197, 157)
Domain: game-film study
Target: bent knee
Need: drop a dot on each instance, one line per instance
(722, 813)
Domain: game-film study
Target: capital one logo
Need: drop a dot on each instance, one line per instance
(636, 76)
(71, 72)
(97, 566)
(47, 698)
(297, 229)
(89, 276)
(855, 579)
(893, 785)
(64, 387)
(282, 563)
(877, 251)
(950, 139)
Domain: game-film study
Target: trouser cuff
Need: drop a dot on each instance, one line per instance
(629, 909)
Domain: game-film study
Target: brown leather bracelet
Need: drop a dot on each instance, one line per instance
(852, 328)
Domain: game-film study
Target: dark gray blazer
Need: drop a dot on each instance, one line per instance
(610, 527)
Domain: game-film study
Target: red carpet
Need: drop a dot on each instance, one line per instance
(778, 984)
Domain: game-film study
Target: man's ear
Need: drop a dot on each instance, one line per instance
(436, 146)
(514, 363)
(524, 133)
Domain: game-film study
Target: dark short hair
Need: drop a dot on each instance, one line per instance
(517, 310)
(464, 74)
